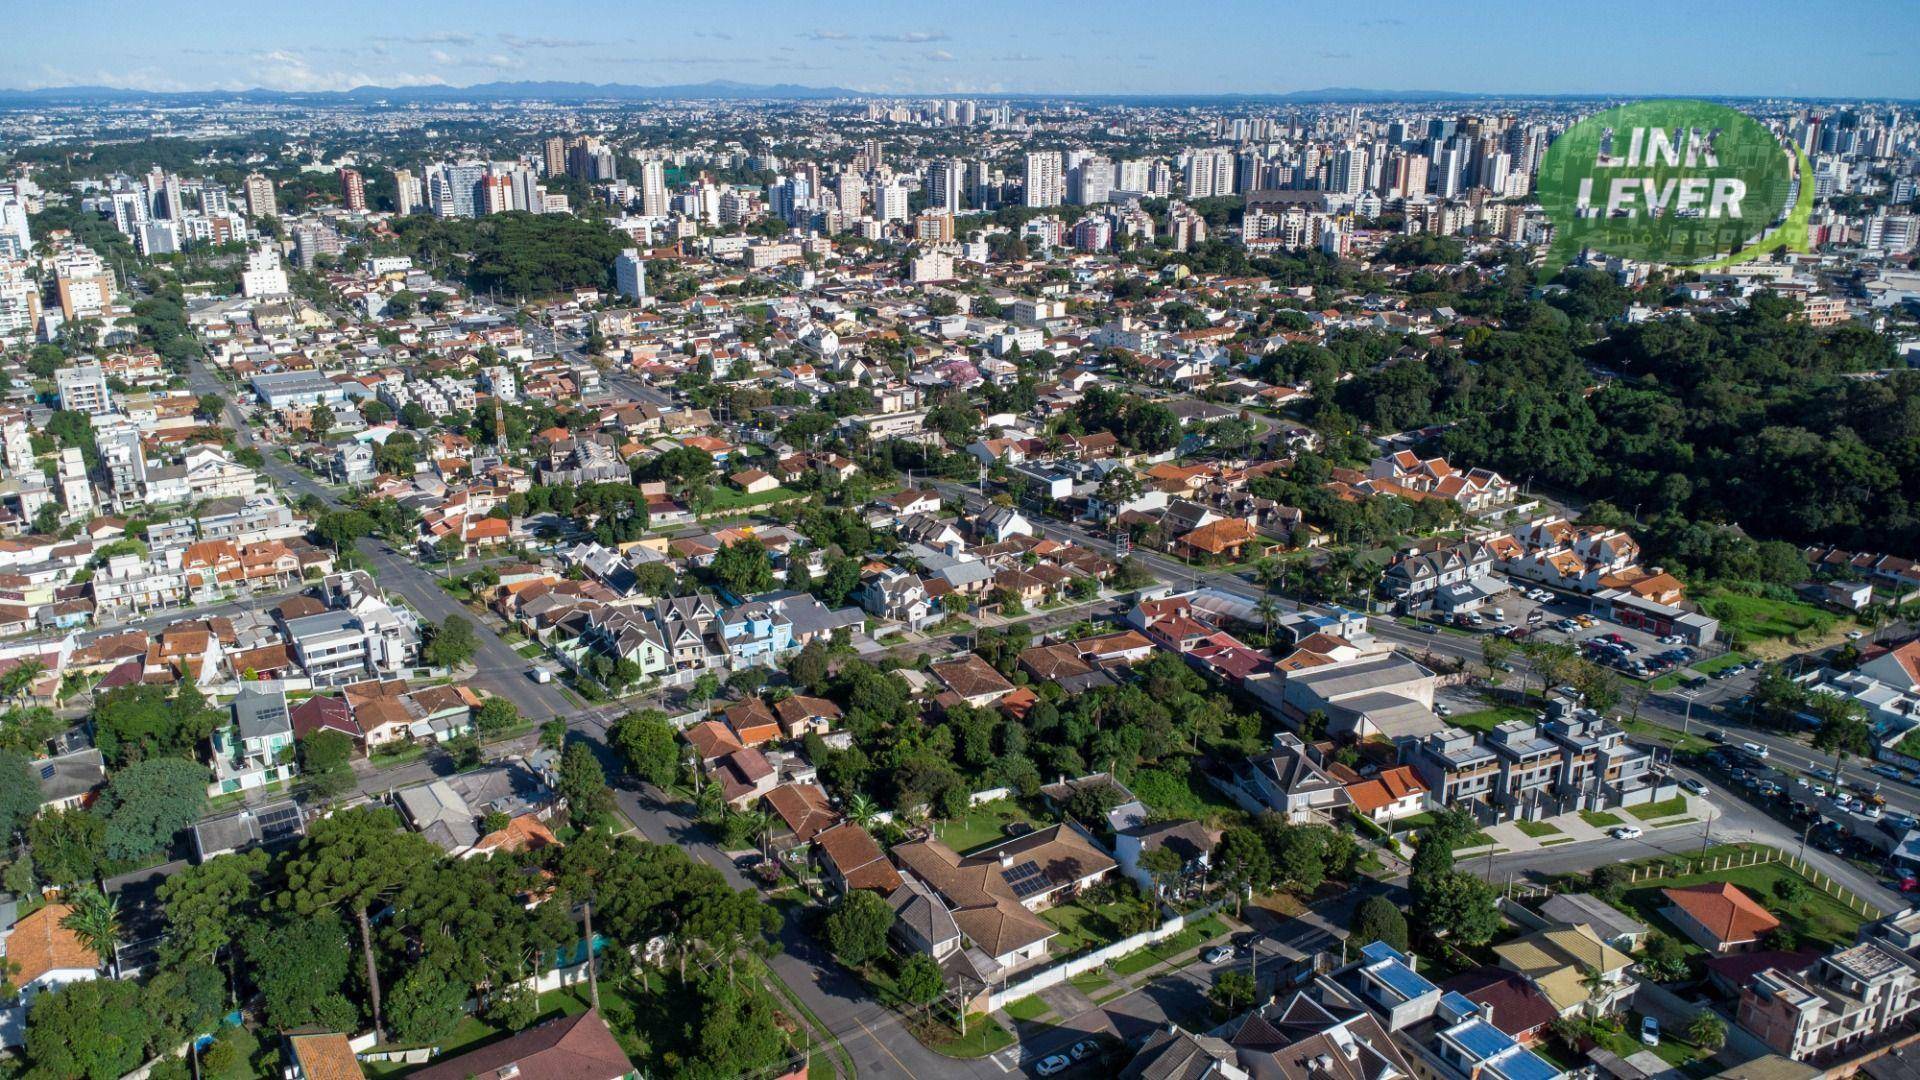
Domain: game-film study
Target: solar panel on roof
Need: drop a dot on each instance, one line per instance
(1404, 980)
(1029, 886)
(1524, 1064)
(1481, 1039)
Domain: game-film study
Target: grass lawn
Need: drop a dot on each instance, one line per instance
(1028, 1009)
(1665, 736)
(1724, 660)
(529, 651)
(1600, 819)
(1664, 808)
(1473, 839)
(1536, 829)
(1089, 981)
(1190, 938)
(245, 1045)
(1082, 927)
(1488, 719)
(731, 498)
(1819, 919)
(1747, 618)
(984, 1036)
(982, 824)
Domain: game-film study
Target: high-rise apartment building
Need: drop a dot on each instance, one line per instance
(259, 196)
(353, 190)
(554, 155)
(406, 192)
(944, 180)
(653, 188)
(630, 274)
(1209, 173)
(1045, 186)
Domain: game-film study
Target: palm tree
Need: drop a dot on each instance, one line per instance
(1267, 609)
(95, 920)
(862, 811)
(760, 826)
(1595, 982)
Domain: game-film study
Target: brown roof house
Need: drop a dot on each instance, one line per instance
(994, 894)
(851, 859)
(569, 1048)
(1718, 916)
(972, 680)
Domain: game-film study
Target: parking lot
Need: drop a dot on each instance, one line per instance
(1840, 816)
(1528, 611)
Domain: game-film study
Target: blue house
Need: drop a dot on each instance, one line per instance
(756, 632)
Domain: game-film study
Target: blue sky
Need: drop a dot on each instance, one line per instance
(1810, 47)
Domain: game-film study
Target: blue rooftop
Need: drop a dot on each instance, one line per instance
(1458, 1004)
(1480, 1039)
(1375, 951)
(1524, 1064)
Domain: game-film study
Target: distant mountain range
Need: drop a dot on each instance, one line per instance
(718, 89)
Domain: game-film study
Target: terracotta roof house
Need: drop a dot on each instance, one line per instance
(1558, 963)
(803, 809)
(712, 740)
(995, 891)
(852, 859)
(1224, 538)
(1395, 793)
(524, 833)
(743, 776)
(972, 680)
(753, 723)
(800, 714)
(1718, 916)
(322, 1055)
(569, 1048)
(46, 955)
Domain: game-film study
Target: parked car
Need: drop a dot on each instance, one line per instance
(1755, 749)
(1855, 635)
(1052, 1065)
(1650, 1031)
(1625, 832)
(1084, 1049)
(1217, 954)
(1693, 785)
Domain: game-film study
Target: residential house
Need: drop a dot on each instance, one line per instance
(1507, 1000)
(897, 595)
(850, 858)
(44, 954)
(1290, 781)
(256, 748)
(1841, 1004)
(995, 892)
(69, 781)
(1719, 916)
(1572, 968)
(566, 1048)
(972, 681)
(1607, 922)
(1191, 842)
(1455, 577)
(1388, 796)
(1317, 1032)
(320, 1055)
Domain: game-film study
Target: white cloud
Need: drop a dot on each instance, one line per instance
(912, 37)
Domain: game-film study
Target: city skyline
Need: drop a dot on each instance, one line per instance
(998, 48)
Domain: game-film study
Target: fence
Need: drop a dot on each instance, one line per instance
(1754, 856)
(1067, 969)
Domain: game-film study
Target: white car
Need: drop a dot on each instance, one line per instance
(1695, 786)
(1218, 953)
(1051, 1065)
(1755, 749)
(1624, 832)
(1854, 635)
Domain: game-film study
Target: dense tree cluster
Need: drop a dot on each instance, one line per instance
(518, 253)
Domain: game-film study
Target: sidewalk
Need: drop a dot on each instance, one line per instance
(1509, 836)
(1103, 985)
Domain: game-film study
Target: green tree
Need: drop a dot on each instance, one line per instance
(857, 928)
(353, 861)
(300, 967)
(1843, 729)
(452, 643)
(1233, 990)
(1706, 1030)
(1460, 907)
(496, 714)
(742, 568)
(647, 743)
(326, 762)
(426, 1005)
(148, 803)
(1242, 862)
(320, 420)
(68, 845)
(583, 786)
(19, 794)
(96, 1030)
(1379, 919)
(207, 906)
(919, 982)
